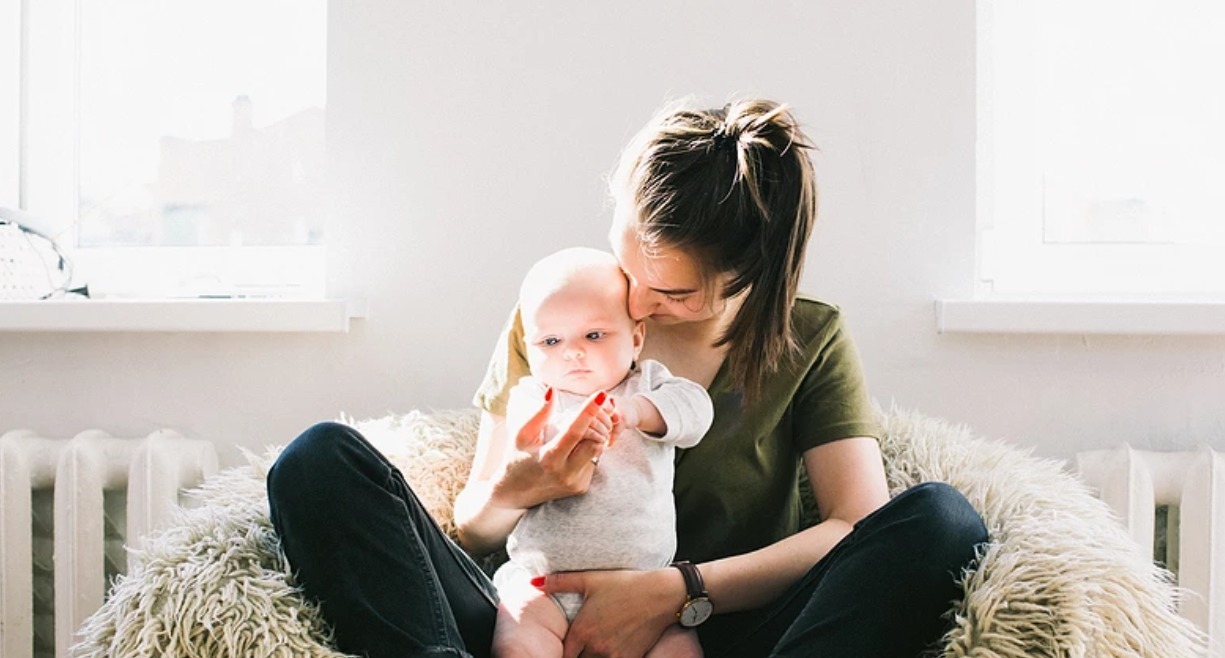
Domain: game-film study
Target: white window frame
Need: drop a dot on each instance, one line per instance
(1024, 288)
(45, 181)
(1012, 259)
(10, 100)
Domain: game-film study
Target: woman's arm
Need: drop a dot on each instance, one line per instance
(483, 526)
(848, 481)
(626, 612)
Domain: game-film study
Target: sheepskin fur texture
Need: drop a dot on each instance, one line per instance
(1061, 578)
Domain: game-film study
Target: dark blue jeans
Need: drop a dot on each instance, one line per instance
(393, 585)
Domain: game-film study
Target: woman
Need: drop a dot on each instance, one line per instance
(714, 210)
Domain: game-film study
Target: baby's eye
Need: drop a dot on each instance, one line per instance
(550, 341)
(595, 335)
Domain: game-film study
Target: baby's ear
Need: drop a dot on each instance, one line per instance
(640, 334)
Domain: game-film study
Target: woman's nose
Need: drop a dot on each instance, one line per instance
(639, 302)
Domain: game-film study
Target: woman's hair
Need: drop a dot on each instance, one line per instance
(734, 189)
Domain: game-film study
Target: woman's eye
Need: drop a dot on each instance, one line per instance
(550, 341)
(676, 300)
(595, 335)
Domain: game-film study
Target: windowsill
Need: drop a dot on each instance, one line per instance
(207, 315)
(1048, 316)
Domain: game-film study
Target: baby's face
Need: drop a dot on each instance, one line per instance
(582, 340)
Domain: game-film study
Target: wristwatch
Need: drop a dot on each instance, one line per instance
(697, 608)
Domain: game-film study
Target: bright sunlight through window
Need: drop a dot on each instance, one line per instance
(191, 158)
(1102, 148)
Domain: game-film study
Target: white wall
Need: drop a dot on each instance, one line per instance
(466, 139)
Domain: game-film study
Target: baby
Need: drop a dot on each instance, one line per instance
(580, 340)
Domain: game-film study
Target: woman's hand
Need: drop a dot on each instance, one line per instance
(514, 469)
(536, 470)
(624, 612)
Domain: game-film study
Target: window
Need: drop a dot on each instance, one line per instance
(10, 99)
(1101, 148)
(175, 148)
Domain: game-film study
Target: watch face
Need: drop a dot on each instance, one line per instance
(696, 612)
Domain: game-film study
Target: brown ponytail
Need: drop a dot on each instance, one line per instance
(734, 188)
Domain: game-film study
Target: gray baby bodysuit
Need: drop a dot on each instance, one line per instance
(627, 518)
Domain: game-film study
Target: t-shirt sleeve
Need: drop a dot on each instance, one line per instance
(832, 401)
(507, 365)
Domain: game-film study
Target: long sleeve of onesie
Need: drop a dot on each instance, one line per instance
(684, 405)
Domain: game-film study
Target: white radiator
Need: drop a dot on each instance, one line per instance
(1174, 504)
(67, 508)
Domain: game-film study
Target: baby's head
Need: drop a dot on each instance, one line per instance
(579, 335)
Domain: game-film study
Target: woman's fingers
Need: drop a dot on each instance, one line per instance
(529, 435)
(596, 436)
(589, 452)
(592, 423)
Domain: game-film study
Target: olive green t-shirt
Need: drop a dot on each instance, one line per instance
(738, 490)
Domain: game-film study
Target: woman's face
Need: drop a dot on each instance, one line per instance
(665, 284)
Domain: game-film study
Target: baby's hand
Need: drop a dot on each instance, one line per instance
(625, 415)
(602, 426)
(638, 413)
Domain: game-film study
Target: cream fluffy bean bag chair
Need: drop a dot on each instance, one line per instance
(1060, 578)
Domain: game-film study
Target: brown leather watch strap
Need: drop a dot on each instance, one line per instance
(694, 587)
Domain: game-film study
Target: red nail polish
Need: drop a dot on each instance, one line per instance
(599, 399)
(548, 394)
(538, 582)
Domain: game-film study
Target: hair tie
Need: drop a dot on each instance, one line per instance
(720, 138)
